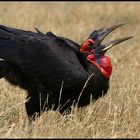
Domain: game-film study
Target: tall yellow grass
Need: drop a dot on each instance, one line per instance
(117, 115)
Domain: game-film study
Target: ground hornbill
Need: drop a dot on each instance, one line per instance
(56, 71)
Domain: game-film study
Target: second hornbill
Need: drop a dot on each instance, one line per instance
(56, 71)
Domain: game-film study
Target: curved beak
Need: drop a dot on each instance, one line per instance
(105, 32)
(110, 44)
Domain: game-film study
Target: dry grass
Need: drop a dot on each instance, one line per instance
(117, 115)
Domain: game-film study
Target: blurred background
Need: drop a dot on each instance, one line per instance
(74, 19)
(115, 115)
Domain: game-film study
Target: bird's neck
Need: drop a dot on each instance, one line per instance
(103, 64)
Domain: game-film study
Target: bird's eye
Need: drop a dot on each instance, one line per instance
(90, 46)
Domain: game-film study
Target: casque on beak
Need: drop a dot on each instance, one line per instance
(105, 32)
(98, 47)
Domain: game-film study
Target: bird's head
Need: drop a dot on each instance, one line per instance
(96, 50)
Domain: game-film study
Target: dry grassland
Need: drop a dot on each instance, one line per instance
(117, 115)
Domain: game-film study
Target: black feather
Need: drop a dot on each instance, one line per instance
(41, 63)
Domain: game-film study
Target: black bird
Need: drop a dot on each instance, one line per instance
(56, 71)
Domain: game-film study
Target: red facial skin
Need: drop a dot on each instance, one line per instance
(104, 66)
(84, 48)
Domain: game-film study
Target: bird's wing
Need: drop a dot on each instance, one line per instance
(25, 34)
(74, 46)
(40, 56)
(17, 32)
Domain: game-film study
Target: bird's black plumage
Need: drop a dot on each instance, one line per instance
(42, 64)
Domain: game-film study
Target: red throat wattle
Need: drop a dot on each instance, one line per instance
(104, 66)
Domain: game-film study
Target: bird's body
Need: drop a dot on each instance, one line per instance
(50, 68)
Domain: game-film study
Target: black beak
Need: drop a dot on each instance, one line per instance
(110, 44)
(105, 32)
